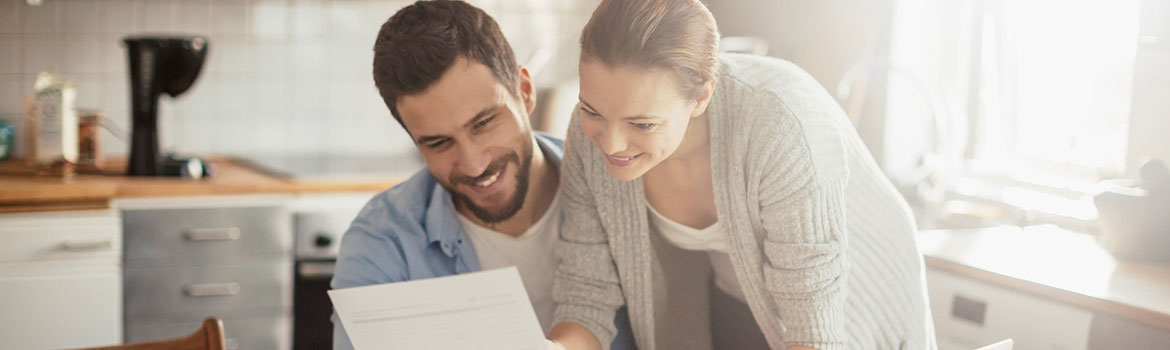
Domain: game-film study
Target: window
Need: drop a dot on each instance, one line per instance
(1034, 97)
(1053, 87)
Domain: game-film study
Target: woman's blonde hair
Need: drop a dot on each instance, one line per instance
(676, 35)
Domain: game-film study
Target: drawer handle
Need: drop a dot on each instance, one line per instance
(211, 289)
(213, 234)
(81, 245)
(316, 269)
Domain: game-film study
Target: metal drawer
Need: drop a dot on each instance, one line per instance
(221, 290)
(195, 237)
(239, 333)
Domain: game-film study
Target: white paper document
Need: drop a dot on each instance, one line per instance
(481, 310)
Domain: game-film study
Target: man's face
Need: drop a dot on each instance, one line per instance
(475, 137)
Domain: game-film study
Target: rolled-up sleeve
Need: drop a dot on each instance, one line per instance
(803, 214)
(586, 289)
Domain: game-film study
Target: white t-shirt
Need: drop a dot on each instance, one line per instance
(531, 253)
(709, 239)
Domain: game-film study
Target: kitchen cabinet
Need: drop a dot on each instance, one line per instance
(217, 247)
(969, 314)
(1045, 287)
(60, 279)
(226, 257)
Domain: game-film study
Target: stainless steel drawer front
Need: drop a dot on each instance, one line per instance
(201, 237)
(220, 290)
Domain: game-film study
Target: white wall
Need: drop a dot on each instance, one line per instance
(823, 37)
(283, 76)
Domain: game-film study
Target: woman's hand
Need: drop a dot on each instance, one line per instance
(572, 336)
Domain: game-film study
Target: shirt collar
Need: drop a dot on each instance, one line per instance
(441, 224)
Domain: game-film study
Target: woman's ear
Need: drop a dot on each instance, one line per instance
(527, 89)
(703, 99)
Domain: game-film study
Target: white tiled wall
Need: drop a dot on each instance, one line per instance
(282, 76)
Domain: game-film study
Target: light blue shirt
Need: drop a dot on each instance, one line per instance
(410, 232)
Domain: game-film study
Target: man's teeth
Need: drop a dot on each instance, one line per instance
(489, 181)
(620, 159)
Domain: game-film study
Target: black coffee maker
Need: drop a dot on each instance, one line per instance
(159, 65)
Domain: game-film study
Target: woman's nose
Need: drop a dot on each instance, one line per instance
(611, 141)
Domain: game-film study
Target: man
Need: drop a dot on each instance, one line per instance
(488, 196)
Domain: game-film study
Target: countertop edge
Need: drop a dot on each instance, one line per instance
(1138, 314)
(26, 193)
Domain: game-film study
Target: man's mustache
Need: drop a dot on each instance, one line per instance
(492, 169)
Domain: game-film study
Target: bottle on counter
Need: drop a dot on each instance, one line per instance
(52, 126)
(89, 146)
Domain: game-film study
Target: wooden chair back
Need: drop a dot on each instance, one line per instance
(209, 337)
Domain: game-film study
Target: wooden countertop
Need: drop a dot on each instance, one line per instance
(21, 191)
(1055, 264)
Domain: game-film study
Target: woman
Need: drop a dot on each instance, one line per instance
(725, 200)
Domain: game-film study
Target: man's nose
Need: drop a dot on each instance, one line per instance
(473, 159)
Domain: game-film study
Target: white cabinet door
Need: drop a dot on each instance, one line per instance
(60, 280)
(969, 314)
(55, 308)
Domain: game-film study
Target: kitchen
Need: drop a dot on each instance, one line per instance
(284, 117)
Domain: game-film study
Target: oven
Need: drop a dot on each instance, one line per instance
(319, 222)
(312, 328)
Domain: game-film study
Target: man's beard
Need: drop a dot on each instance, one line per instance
(512, 205)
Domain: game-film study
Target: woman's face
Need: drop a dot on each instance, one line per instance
(637, 117)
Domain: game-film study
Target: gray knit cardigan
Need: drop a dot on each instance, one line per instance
(822, 243)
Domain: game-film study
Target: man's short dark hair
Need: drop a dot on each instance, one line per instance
(420, 42)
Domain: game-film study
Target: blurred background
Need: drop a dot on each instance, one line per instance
(1029, 136)
(964, 95)
(281, 76)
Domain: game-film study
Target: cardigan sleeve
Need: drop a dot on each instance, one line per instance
(587, 289)
(803, 179)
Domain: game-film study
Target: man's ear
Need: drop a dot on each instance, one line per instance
(703, 99)
(527, 89)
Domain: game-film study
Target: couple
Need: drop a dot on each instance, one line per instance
(700, 200)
